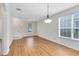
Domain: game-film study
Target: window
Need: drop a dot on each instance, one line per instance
(69, 26)
(29, 27)
(76, 26)
(65, 26)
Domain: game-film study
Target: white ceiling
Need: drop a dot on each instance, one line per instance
(37, 11)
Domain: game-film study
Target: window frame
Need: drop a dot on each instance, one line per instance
(29, 26)
(72, 28)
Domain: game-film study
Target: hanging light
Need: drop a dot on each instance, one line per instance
(48, 20)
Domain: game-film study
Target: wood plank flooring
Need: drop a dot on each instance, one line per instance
(0, 47)
(36, 46)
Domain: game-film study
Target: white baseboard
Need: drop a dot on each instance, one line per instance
(5, 53)
(15, 37)
(59, 43)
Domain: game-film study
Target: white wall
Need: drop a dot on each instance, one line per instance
(20, 28)
(1, 29)
(1, 24)
(7, 24)
(50, 31)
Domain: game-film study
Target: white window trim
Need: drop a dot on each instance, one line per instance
(72, 30)
(59, 27)
(68, 38)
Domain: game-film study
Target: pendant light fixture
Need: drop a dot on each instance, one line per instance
(48, 20)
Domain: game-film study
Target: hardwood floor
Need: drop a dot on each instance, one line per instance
(36, 46)
(0, 47)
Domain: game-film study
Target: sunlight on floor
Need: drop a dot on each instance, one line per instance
(61, 51)
(30, 42)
